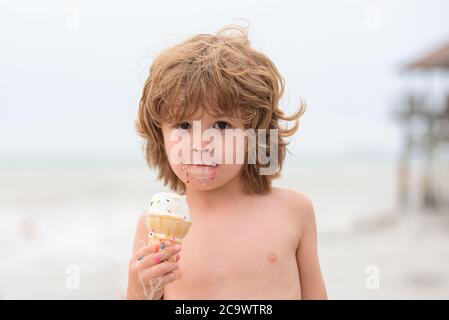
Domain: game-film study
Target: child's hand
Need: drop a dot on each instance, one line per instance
(149, 270)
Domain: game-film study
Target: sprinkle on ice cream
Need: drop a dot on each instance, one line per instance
(168, 203)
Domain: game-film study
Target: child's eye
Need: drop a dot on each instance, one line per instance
(183, 125)
(222, 125)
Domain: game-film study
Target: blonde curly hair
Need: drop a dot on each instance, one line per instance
(222, 74)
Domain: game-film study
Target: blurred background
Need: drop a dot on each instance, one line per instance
(371, 152)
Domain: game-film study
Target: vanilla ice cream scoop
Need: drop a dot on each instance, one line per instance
(168, 217)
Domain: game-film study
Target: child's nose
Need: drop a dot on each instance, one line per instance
(205, 149)
(199, 154)
(206, 146)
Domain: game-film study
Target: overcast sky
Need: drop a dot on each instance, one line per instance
(72, 71)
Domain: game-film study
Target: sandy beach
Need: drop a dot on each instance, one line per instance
(408, 251)
(66, 233)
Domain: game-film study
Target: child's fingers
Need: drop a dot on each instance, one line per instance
(167, 251)
(160, 269)
(170, 277)
(158, 257)
(145, 251)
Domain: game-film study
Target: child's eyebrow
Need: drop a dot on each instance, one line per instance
(214, 117)
(231, 120)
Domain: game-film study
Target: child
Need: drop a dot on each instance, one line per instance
(248, 240)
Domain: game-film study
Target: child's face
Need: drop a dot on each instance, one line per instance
(196, 156)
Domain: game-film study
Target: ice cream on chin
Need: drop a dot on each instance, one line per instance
(168, 217)
(202, 173)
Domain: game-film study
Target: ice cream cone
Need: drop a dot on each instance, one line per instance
(168, 219)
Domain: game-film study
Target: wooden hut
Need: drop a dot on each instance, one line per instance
(425, 129)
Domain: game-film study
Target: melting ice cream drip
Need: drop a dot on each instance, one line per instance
(156, 288)
(186, 171)
(152, 290)
(198, 175)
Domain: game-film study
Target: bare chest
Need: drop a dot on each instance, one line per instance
(244, 254)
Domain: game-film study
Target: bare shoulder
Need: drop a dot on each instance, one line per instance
(295, 199)
(299, 205)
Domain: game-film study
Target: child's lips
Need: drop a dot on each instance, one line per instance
(202, 170)
(203, 166)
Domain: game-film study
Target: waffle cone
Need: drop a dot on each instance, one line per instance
(165, 227)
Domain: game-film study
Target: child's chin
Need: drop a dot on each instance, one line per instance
(208, 185)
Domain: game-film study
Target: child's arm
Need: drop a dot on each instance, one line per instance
(312, 284)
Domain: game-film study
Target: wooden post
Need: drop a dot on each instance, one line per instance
(404, 168)
(428, 187)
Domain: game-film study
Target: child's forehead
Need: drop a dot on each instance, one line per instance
(201, 106)
(202, 113)
(205, 114)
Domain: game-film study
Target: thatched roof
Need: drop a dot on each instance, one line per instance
(438, 58)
